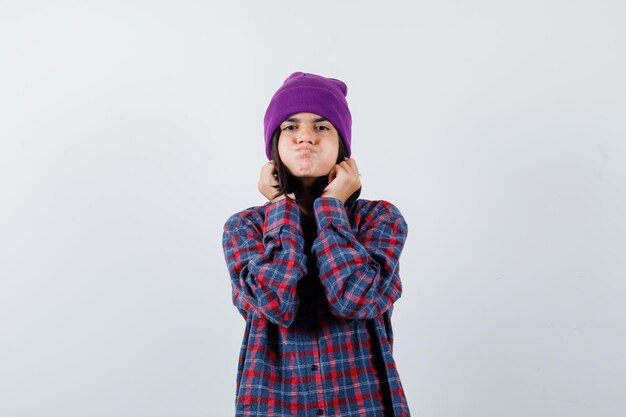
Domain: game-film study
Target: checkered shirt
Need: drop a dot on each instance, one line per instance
(317, 296)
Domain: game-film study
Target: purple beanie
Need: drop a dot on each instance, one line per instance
(306, 92)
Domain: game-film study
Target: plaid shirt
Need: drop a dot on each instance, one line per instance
(317, 295)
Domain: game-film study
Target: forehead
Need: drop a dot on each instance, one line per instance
(305, 117)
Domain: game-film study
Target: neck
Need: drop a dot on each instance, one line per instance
(305, 196)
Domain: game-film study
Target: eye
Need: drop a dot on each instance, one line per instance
(323, 127)
(288, 127)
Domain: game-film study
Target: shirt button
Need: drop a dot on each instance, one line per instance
(320, 411)
(314, 367)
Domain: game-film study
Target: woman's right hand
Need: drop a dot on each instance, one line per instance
(268, 182)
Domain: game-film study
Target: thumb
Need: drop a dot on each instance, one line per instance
(332, 174)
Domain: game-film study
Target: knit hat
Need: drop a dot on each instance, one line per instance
(306, 92)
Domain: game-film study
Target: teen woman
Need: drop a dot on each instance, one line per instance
(315, 270)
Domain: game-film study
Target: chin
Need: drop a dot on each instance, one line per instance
(305, 173)
(314, 173)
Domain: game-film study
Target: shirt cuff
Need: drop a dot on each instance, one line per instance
(280, 213)
(330, 210)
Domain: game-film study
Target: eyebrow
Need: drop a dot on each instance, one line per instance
(319, 119)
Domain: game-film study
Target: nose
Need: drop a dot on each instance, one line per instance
(305, 134)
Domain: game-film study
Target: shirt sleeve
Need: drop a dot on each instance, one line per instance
(360, 274)
(265, 262)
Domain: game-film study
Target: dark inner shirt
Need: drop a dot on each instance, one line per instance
(310, 290)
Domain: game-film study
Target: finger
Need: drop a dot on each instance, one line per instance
(350, 161)
(270, 168)
(332, 174)
(352, 164)
(345, 166)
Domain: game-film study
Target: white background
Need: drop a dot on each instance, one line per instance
(130, 131)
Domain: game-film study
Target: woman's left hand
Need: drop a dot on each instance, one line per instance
(343, 180)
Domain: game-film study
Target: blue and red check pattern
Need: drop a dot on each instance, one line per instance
(317, 295)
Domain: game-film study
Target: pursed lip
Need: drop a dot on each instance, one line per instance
(305, 149)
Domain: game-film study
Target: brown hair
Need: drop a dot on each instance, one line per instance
(287, 183)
